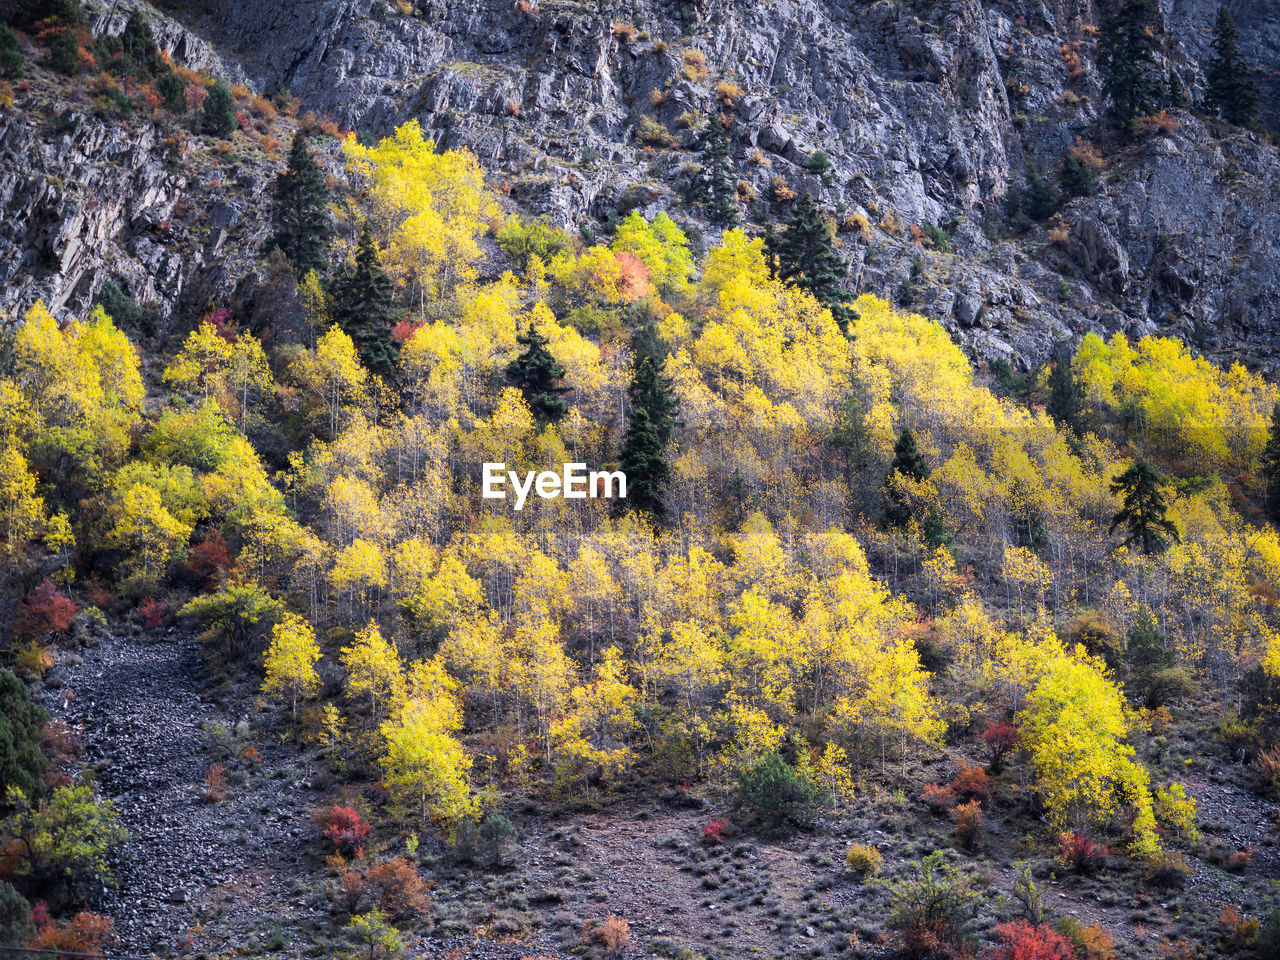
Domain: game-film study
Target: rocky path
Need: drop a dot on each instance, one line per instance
(139, 706)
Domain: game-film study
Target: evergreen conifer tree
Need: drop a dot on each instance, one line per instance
(300, 213)
(644, 461)
(804, 254)
(142, 56)
(1039, 200)
(1143, 512)
(653, 416)
(537, 373)
(1077, 177)
(719, 192)
(218, 117)
(1064, 396)
(1232, 93)
(910, 462)
(1127, 50)
(1271, 467)
(363, 306)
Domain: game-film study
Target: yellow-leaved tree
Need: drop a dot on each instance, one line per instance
(423, 764)
(431, 207)
(1075, 731)
(291, 661)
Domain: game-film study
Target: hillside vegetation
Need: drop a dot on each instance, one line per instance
(1027, 620)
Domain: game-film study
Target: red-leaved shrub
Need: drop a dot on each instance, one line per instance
(1000, 737)
(209, 558)
(938, 798)
(1083, 855)
(970, 782)
(398, 889)
(45, 612)
(345, 829)
(153, 613)
(713, 831)
(1021, 941)
(84, 934)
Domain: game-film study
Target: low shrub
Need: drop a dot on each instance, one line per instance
(1021, 941)
(1090, 942)
(938, 799)
(775, 797)
(932, 906)
(971, 782)
(1081, 854)
(864, 859)
(398, 889)
(84, 934)
(344, 829)
(968, 820)
(615, 934)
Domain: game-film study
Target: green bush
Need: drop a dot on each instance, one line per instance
(776, 798)
(937, 236)
(64, 839)
(523, 239)
(22, 762)
(12, 62)
(218, 118)
(1267, 945)
(932, 906)
(64, 52)
(15, 917)
(484, 844)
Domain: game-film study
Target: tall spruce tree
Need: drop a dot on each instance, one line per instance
(1131, 76)
(1064, 396)
(719, 191)
(141, 55)
(218, 117)
(537, 373)
(644, 461)
(363, 305)
(805, 254)
(650, 389)
(910, 462)
(1232, 92)
(1271, 467)
(1143, 509)
(653, 416)
(300, 213)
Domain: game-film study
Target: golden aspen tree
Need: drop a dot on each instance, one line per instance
(1075, 730)
(374, 670)
(21, 511)
(146, 531)
(290, 661)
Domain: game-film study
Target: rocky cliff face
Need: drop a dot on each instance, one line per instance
(928, 112)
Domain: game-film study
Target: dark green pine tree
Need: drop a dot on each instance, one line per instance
(1131, 77)
(300, 213)
(22, 763)
(644, 461)
(1271, 467)
(537, 373)
(1039, 200)
(1143, 512)
(654, 409)
(1177, 93)
(363, 306)
(805, 254)
(1232, 92)
(218, 117)
(650, 389)
(141, 55)
(1076, 178)
(910, 462)
(1064, 396)
(719, 190)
